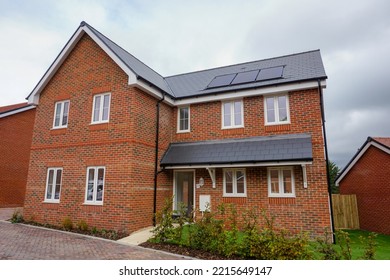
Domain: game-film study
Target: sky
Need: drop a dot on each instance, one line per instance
(174, 37)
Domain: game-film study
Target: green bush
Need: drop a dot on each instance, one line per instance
(17, 217)
(82, 225)
(67, 223)
(164, 229)
(369, 244)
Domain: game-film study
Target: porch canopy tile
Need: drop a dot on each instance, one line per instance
(250, 151)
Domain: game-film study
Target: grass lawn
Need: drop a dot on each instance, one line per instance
(382, 249)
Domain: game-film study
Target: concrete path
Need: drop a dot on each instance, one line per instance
(137, 237)
(24, 242)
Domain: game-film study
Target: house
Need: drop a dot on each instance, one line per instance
(16, 129)
(367, 175)
(113, 138)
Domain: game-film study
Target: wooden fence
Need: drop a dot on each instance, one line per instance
(345, 211)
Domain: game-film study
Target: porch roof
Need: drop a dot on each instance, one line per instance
(292, 148)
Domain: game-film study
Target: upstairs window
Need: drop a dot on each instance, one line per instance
(95, 185)
(277, 110)
(61, 114)
(281, 182)
(101, 108)
(183, 119)
(234, 182)
(232, 114)
(53, 185)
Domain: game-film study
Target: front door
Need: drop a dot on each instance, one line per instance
(184, 191)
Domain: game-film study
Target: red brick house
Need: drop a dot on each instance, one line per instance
(16, 129)
(113, 138)
(367, 176)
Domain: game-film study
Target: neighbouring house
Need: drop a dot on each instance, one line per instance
(16, 130)
(367, 176)
(113, 138)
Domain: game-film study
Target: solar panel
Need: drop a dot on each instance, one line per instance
(245, 77)
(220, 81)
(270, 73)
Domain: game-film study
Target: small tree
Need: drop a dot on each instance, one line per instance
(334, 170)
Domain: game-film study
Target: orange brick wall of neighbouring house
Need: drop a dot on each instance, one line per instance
(15, 142)
(369, 179)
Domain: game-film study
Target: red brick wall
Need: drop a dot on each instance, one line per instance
(15, 142)
(309, 211)
(125, 146)
(369, 179)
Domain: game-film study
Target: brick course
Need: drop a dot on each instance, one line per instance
(369, 180)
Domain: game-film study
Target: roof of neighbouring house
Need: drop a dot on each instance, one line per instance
(382, 143)
(299, 67)
(282, 148)
(14, 109)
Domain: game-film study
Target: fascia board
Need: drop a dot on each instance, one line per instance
(16, 111)
(239, 165)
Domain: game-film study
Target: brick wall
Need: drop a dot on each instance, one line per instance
(15, 142)
(310, 209)
(369, 179)
(125, 145)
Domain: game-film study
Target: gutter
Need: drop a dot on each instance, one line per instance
(156, 172)
(326, 159)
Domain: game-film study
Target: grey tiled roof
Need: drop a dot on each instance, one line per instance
(297, 67)
(293, 147)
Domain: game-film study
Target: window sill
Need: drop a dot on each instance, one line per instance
(183, 131)
(234, 196)
(51, 201)
(232, 127)
(93, 203)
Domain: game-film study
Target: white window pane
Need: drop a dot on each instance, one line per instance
(50, 184)
(183, 119)
(237, 113)
(58, 184)
(100, 185)
(65, 113)
(240, 180)
(106, 107)
(282, 115)
(58, 114)
(229, 181)
(96, 110)
(287, 181)
(274, 174)
(91, 181)
(270, 109)
(282, 102)
(227, 121)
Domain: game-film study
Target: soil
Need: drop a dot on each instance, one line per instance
(185, 251)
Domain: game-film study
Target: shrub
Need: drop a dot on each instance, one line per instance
(344, 243)
(164, 230)
(369, 244)
(67, 224)
(17, 217)
(326, 248)
(82, 225)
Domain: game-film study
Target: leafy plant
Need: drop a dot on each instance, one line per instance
(82, 225)
(164, 229)
(326, 248)
(344, 241)
(17, 217)
(369, 246)
(67, 223)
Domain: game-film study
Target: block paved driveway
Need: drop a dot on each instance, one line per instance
(23, 242)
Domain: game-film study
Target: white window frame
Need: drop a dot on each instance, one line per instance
(232, 114)
(53, 199)
(61, 114)
(276, 109)
(234, 178)
(178, 119)
(95, 184)
(100, 119)
(281, 184)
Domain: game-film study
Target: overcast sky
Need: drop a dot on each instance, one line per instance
(174, 37)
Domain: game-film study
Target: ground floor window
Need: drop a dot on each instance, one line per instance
(95, 185)
(281, 182)
(53, 184)
(234, 182)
